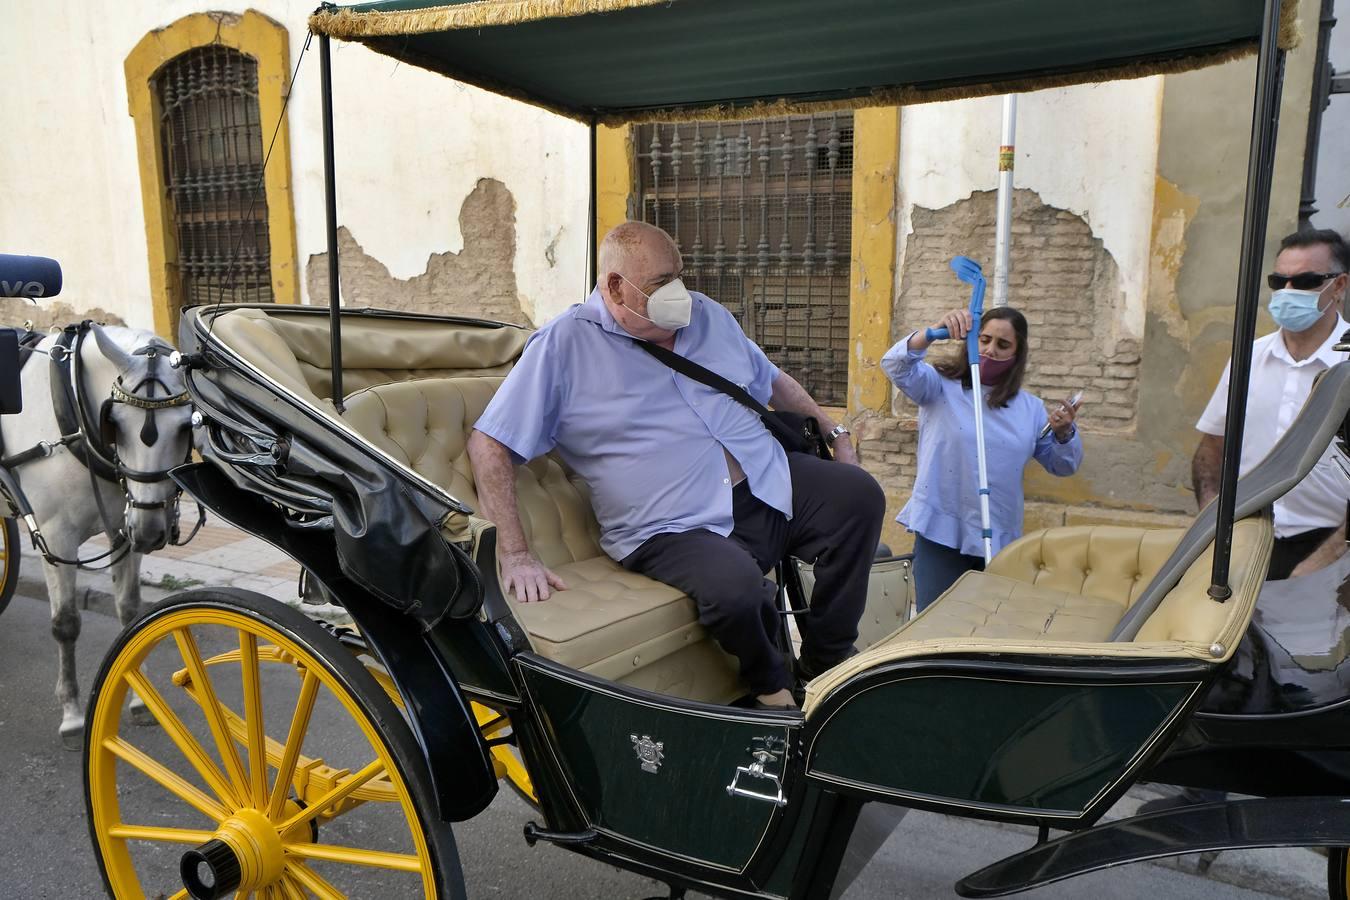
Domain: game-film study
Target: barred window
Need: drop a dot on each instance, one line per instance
(211, 139)
(761, 212)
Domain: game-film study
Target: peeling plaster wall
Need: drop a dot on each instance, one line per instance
(1154, 171)
(1073, 335)
(477, 281)
(1090, 150)
(411, 147)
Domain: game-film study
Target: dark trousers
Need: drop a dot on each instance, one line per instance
(836, 519)
(1291, 551)
(936, 568)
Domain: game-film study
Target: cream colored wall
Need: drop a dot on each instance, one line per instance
(1090, 149)
(411, 147)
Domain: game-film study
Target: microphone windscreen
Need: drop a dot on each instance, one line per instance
(29, 276)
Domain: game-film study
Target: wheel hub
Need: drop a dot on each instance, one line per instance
(245, 855)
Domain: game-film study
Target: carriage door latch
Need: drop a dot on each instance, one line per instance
(764, 750)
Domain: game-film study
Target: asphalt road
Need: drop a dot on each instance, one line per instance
(45, 850)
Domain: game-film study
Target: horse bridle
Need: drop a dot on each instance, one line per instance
(104, 446)
(91, 438)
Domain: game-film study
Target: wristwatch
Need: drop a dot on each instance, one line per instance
(834, 434)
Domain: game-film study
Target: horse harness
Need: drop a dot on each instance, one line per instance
(91, 438)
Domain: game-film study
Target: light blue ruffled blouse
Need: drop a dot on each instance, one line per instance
(944, 506)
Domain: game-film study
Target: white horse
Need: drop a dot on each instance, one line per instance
(97, 463)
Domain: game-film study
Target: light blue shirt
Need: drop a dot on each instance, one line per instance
(945, 505)
(647, 441)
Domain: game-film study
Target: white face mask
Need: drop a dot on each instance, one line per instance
(668, 307)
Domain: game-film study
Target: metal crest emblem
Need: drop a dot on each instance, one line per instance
(649, 752)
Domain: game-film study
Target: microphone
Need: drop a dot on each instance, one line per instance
(29, 277)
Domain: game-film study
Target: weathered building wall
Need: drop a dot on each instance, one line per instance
(1127, 224)
(477, 281)
(1086, 158)
(411, 150)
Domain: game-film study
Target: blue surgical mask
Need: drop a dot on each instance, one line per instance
(1295, 310)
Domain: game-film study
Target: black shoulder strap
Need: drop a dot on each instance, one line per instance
(691, 369)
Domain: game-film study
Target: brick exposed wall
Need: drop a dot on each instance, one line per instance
(1065, 283)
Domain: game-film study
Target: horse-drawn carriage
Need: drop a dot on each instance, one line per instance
(303, 759)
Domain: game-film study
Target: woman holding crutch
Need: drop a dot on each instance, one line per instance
(944, 509)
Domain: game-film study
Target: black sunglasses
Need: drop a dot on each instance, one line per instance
(1303, 281)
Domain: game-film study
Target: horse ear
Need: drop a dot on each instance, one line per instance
(109, 348)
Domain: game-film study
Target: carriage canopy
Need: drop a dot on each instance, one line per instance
(643, 60)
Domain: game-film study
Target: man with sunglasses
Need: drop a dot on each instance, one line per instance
(1308, 285)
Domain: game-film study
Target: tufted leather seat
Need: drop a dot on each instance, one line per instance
(609, 621)
(1019, 605)
(1105, 561)
(1069, 583)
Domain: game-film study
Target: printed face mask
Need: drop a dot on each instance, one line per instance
(992, 370)
(1295, 310)
(668, 307)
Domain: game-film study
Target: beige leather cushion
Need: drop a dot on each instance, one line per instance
(996, 607)
(1186, 625)
(295, 350)
(250, 333)
(1105, 561)
(425, 425)
(604, 610)
(1189, 615)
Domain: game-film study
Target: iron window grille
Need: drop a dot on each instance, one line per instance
(761, 212)
(211, 138)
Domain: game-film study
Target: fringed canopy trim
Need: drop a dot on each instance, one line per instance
(375, 27)
(348, 24)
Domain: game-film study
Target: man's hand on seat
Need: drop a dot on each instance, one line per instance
(527, 576)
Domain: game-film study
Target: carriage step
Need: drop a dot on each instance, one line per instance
(534, 833)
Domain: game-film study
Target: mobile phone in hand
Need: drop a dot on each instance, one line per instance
(1073, 403)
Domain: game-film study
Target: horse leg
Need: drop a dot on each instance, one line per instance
(126, 576)
(66, 629)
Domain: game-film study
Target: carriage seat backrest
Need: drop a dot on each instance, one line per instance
(1288, 462)
(292, 348)
(425, 425)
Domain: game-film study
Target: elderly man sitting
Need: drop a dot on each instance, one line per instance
(688, 485)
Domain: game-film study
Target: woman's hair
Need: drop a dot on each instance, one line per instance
(956, 365)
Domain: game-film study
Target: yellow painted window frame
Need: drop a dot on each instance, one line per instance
(264, 40)
(876, 165)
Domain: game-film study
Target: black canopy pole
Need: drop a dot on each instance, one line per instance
(330, 208)
(1260, 172)
(592, 224)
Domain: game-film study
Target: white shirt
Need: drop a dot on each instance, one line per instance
(1275, 394)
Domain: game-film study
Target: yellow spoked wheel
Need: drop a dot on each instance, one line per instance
(9, 560)
(1338, 873)
(492, 724)
(506, 761)
(280, 768)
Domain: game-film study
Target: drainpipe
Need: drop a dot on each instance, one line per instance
(1325, 83)
(1003, 223)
